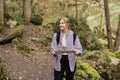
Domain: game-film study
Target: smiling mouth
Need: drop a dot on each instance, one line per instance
(61, 26)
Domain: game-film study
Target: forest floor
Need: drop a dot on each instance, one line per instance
(20, 67)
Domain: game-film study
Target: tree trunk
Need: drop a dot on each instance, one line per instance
(117, 41)
(1, 13)
(66, 4)
(76, 9)
(27, 11)
(4, 3)
(108, 25)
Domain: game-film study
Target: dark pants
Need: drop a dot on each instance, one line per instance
(59, 75)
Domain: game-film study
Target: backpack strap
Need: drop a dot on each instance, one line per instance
(58, 37)
(74, 38)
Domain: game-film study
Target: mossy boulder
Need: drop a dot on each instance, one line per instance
(10, 33)
(36, 19)
(86, 72)
(106, 63)
(22, 47)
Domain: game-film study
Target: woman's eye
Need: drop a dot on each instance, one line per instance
(61, 23)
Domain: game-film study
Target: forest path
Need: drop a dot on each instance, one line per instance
(20, 67)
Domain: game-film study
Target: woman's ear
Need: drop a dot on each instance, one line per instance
(68, 24)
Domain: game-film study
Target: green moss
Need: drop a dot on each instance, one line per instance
(1, 27)
(106, 63)
(85, 72)
(10, 33)
(45, 40)
(13, 6)
(16, 31)
(3, 75)
(117, 54)
(22, 47)
(18, 17)
(92, 55)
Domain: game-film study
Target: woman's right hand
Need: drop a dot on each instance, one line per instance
(54, 52)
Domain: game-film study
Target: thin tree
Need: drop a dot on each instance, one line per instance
(117, 41)
(76, 8)
(108, 25)
(1, 12)
(27, 11)
(5, 5)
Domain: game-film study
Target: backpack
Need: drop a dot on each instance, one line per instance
(58, 38)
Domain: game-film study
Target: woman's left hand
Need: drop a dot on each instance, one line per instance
(76, 51)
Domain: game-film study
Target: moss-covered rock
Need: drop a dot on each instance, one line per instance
(106, 63)
(10, 33)
(36, 19)
(86, 72)
(22, 47)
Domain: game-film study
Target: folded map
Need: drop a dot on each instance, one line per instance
(65, 49)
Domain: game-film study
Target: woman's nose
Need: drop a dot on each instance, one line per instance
(60, 25)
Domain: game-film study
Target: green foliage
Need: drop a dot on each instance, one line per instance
(14, 16)
(34, 4)
(3, 75)
(104, 56)
(92, 55)
(46, 38)
(13, 6)
(13, 11)
(85, 52)
(1, 27)
(88, 39)
(114, 6)
(8, 16)
(117, 54)
(18, 17)
(116, 18)
(79, 25)
(22, 47)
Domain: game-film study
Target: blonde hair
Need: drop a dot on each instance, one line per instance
(66, 20)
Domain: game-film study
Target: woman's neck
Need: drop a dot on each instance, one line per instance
(65, 31)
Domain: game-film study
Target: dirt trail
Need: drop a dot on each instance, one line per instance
(20, 67)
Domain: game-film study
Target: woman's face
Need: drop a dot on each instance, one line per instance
(63, 25)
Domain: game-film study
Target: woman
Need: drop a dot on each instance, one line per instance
(65, 62)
